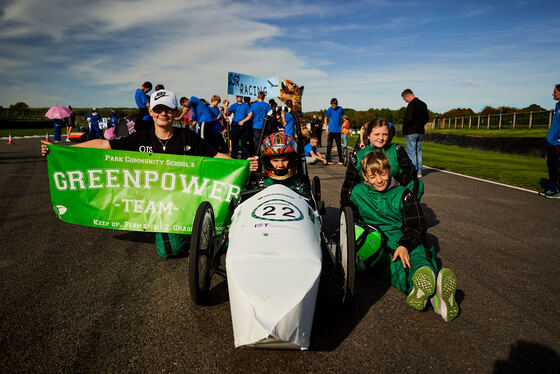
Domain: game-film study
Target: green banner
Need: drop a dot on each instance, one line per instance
(137, 191)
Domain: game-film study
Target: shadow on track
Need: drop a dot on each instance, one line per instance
(333, 322)
(430, 215)
(137, 236)
(528, 357)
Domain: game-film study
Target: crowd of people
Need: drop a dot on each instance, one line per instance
(382, 185)
(240, 127)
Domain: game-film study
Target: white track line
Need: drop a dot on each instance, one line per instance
(23, 137)
(481, 180)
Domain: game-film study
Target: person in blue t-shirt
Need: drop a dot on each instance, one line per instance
(113, 119)
(258, 112)
(312, 154)
(333, 123)
(216, 125)
(203, 117)
(240, 110)
(186, 113)
(553, 151)
(247, 128)
(144, 120)
(289, 127)
(93, 119)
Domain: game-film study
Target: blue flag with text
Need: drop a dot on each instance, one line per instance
(248, 85)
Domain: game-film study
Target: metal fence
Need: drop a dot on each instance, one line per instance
(526, 120)
(22, 115)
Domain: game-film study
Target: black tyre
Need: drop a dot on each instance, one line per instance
(200, 256)
(316, 188)
(346, 156)
(347, 254)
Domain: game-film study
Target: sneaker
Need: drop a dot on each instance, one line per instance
(330, 163)
(341, 163)
(547, 193)
(419, 175)
(555, 195)
(444, 302)
(424, 286)
(68, 140)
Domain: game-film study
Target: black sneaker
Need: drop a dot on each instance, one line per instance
(555, 195)
(547, 193)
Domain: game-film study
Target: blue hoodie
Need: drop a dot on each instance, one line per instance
(201, 113)
(553, 137)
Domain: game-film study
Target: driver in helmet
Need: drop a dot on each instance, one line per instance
(279, 159)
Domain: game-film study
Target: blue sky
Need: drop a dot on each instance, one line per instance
(450, 53)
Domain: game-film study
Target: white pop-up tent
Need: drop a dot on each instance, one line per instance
(273, 268)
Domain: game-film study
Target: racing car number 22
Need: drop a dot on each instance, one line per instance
(277, 210)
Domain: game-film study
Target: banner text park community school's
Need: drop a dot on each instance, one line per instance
(138, 191)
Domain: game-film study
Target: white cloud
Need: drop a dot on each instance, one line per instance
(186, 45)
(105, 49)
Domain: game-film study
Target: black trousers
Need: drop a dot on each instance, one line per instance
(319, 135)
(239, 134)
(553, 164)
(205, 131)
(140, 124)
(236, 135)
(336, 137)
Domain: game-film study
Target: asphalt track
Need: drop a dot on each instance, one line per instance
(80, 299)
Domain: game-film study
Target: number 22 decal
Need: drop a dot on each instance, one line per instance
(271, 211)
(277, 210)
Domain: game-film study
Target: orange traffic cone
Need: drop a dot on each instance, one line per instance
(10, 142)
(47, 137)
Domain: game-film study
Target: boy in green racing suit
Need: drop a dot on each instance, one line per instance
(405, 261)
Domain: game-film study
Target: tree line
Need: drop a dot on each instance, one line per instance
(357, 117)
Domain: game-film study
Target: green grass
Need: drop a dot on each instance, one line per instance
(522, 171)
(504, 133)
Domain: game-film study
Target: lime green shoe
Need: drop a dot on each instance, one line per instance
(424, 286)
(444, 302)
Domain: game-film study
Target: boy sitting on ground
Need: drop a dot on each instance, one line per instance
(312, 154)
(381, 201)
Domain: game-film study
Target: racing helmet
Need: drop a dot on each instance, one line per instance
(278, 144)
(369, 245)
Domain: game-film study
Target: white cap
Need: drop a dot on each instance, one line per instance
(163, 97)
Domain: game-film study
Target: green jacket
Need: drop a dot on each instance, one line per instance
(396, 212)
(390, 151)
(401, 166)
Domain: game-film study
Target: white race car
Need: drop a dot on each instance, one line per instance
(274, 250)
